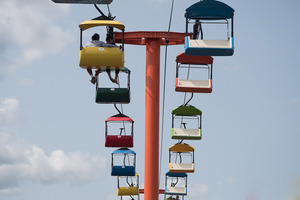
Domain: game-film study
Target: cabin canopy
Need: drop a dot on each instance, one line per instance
(195, 60)
(94, 23)
(182, 175)
(123, 151)
(209, 9)
(187, 110)
(119, 117)
(181, 148)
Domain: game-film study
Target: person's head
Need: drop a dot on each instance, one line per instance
(109, 39)
(96, 36)
(177, 197)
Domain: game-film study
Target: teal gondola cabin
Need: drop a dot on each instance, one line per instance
(209, 12)
(176, 184)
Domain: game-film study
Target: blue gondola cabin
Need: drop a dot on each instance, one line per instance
(123, 162)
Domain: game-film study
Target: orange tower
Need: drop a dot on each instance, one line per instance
(153, 41)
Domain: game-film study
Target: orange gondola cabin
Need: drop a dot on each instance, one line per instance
(191, 75)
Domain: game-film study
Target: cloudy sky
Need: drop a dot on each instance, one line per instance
(52, 132)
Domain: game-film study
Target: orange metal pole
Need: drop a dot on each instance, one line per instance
(152, 119)
(152, 40)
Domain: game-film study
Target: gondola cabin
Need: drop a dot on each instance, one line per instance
(111, 93)
(119, 131)
(209, 12)
(128, 185)
(190, 76)
(181, 158)
(97, 57)
(123, 162)
(84, 1)
(176, 184)
(186, 123)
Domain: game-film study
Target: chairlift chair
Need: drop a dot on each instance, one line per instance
(123, 162)
(112, 95)
(189, 124)
(120, 138)
(176, 184)
(181, 158)
(131, 187)
(186, 62)
(209, 12)
(97, 57)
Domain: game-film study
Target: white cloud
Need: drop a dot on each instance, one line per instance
(9, 111)
(233, 67)
(111, 196)
(232, 180)
(29, 32)
(26, 82)
(199, 191)
(295, 101)
(21, 162)
(219, 183)
(13, 190)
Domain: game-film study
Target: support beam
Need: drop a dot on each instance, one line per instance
(152, 119)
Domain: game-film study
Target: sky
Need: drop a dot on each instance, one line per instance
(52, 131)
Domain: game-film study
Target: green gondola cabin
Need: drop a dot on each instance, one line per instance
(186, 123)
(116, 93)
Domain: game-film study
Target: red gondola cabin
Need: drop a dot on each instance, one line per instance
(119, 131)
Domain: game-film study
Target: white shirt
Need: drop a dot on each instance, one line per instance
(97, 43)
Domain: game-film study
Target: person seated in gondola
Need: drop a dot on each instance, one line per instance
(95, 42)
(110, 41)
(196, 29)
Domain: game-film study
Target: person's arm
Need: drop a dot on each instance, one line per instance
(103, 44)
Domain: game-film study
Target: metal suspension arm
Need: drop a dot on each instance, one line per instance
(100, 10)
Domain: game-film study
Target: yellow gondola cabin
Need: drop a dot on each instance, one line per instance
(101, 57)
